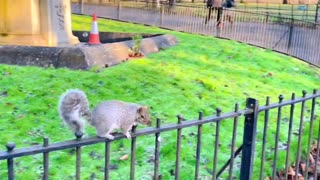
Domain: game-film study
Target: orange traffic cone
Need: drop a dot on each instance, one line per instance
(94, 34)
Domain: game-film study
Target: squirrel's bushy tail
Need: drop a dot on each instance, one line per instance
(73, 107)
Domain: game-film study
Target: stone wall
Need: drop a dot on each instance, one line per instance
(82, 56)
(36, 23)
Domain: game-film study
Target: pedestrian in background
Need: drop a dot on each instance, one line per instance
(227, 5)
(216, 6)
(210, 9)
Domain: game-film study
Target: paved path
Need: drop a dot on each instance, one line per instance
(304, 43)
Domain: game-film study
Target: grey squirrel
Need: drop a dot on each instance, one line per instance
(106, 117)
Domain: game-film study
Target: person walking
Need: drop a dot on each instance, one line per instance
(229, 4)
(214, 5)
(210, 9)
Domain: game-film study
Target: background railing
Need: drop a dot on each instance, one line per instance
(303, 12)
(298, 11)
(279, 32)
(254, 148)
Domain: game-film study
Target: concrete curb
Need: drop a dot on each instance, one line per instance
(81, 56)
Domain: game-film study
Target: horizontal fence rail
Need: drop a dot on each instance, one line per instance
(94, 140)
(282, 33)
(251, 138)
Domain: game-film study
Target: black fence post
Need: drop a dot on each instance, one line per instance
(156, 175)
(249, 138)
(317, 12)
(133, 153)
(161, 14)
(81, 6)
(78, 156)
(118, 9)
(45, 160)
(10, 146)
(290, 35)
(178, 149)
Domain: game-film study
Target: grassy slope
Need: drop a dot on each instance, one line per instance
(199, 74)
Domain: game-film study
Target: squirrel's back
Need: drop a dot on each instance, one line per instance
(115, 114)
(114, 111)
(73, 105)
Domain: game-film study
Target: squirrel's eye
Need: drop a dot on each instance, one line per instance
(142, 116)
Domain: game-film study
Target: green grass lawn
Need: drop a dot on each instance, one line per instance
(199, 74)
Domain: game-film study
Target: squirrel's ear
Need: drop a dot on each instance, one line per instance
(146, 107)
(140, 109)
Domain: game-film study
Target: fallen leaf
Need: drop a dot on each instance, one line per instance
(4, 93)
(303, 166)
(311, 159)
(124, 157)
(291, 171)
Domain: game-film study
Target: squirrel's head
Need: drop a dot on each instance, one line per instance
(143, 116)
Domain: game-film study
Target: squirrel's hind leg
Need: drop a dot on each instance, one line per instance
(108, 136)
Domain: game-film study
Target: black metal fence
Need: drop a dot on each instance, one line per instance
(255, 142)
(305, 12)
(277, 32)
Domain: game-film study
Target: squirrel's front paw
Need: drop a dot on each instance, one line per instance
(110, 137)
(128, 135)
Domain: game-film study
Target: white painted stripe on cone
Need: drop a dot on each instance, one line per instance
(94, 28)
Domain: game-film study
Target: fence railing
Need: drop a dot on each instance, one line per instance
(254, 147)
(305, 12)
(276, 32)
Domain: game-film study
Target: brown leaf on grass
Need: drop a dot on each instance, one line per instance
(311, 168)
(281, 175)
(303, 166)
(300, 177)
(124, 157)
(311, 159)
(20, 116)
(293, 175)
(314, 149)
(291, 172)
(4, 93)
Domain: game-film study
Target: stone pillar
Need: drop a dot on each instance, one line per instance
(36, 23)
